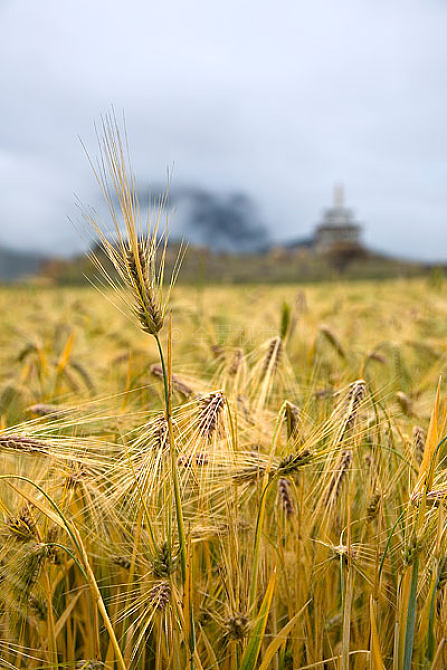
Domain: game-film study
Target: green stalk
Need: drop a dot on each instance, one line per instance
(347, 604)
(431, 640)
(411, 617)
(258, 532)
(175, 477)
(388, 542)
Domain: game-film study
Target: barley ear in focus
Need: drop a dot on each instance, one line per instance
(135, 243)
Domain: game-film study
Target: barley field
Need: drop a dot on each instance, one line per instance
(219, 477)
(300, 455)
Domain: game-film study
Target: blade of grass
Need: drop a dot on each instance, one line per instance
(250, 657)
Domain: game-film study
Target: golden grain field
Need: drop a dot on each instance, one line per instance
(313, 523)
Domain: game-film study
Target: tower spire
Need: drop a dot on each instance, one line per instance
(339, 195)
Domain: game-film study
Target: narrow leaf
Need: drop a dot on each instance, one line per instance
(253, 648)
(376, 654)
(280, 638)
(411, 618)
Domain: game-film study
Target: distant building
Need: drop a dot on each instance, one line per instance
(338, 226)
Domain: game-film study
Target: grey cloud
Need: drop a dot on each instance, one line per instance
(275, 99)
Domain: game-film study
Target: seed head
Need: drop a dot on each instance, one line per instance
(356, 393)
(434, 497)
(23, 444)
(134, 255)
(42, 409)
(249, 474)
(338, 476)
(236, 627)
(273, 355)
(163, 563)
(333, 340)
(30, 570)
(419, 438)
(293, 462)
(160, 434)
(375, 356)
(23, 526)
(140, 268)
(285, 496)
(411, 551)
(38, 607)
(235, 362)
(373, 507)
(293, 419)
(122, 562)
(211, 407)
(159, 595)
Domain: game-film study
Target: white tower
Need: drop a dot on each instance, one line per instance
(338, 225)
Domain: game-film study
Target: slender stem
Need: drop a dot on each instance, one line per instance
(165, 379)
(178, 499)
(52, 642)
(174, 470)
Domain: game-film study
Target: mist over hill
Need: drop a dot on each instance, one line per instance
(16, 265)
(220, 220)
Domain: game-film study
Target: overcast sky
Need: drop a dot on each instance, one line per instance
(278, 99)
